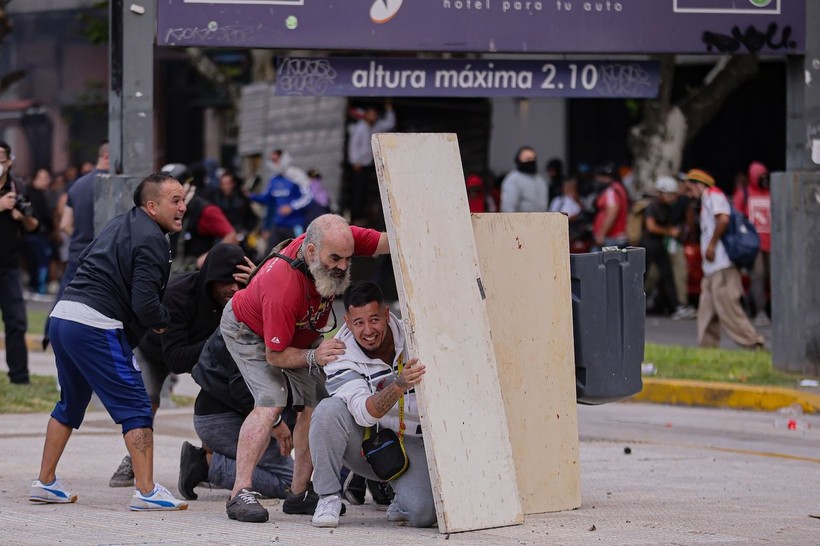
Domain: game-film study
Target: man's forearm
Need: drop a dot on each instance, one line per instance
(291, 358)
(30, 223)
(380, 403)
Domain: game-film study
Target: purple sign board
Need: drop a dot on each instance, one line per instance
(351, 77)
(483, 26)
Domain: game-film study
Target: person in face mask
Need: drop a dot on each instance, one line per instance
(524, 190)
(755, 203)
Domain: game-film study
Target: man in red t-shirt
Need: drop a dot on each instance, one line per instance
(612, 205)
(273, 330)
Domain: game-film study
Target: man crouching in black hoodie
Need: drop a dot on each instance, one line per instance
(195, 300)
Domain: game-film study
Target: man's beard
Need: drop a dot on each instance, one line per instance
(327, 284)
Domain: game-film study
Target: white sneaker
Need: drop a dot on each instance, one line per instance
(159, 499)
(51, 493)
(684, 313)
(393, 513)
(762, 320)
(327, 511)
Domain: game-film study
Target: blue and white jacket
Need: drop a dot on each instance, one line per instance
(354, 377)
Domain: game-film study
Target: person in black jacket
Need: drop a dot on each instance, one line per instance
(112, 301)
(14, 223)
(194, 300)
(220, 409)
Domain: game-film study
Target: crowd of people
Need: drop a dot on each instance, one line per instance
(169, 287)
(671, 218)
(192, 279)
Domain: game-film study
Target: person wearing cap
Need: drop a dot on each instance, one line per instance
(721, 287)
(612, 206)
(661, 224)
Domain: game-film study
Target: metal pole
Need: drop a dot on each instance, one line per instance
(130, 106)
(795, 258)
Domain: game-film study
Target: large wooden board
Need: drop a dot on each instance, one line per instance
(524, 260)
(436, 264)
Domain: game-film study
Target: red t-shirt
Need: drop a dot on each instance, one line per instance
(614, 194)
(280, 303)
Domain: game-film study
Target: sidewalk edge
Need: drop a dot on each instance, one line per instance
(725, 395)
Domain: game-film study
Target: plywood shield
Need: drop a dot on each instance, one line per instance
(441, 292)
(524, 262)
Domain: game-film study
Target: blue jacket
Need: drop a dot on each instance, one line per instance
(282, 191)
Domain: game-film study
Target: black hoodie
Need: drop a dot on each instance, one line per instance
(194, 314)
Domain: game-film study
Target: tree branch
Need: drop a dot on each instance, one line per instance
(704, 102)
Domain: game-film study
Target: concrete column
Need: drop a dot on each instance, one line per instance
(796, 216)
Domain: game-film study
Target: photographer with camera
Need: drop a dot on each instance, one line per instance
(15, 220)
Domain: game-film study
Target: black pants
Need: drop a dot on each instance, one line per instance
(13, 308)
(362, 184)
(657, 254)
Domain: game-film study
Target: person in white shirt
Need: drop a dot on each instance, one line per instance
(721, 287)
(371, 385)
(360, 157)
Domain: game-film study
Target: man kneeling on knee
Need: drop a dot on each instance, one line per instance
(372, 386)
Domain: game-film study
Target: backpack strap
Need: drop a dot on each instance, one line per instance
(298, 263)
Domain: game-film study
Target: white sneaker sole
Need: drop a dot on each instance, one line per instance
(325, 523)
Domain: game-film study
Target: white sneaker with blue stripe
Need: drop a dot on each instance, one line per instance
(50, 493)
(159, 499)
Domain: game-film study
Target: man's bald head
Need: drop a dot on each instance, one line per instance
(324, 228)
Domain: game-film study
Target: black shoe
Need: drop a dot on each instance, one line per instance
(124, 475)
(381, 492)
(302, 503)
(245, 507)
(193, 469)
(354, 489)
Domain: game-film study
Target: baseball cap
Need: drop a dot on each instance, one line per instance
(666, 184)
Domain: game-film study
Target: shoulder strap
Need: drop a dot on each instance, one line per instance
(275, 253)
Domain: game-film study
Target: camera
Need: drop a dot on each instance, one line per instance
(20, 202)
(23, 206)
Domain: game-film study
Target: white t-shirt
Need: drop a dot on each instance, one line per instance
(566, 205)
(713, 202)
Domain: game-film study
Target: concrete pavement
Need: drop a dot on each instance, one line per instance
(693, 476)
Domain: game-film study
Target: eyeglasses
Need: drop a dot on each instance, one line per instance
(312, 323)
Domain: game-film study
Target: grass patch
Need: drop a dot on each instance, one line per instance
(36, 321)
(39, 396)
(729, 366)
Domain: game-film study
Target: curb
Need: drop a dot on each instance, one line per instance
(725, 395)
(677, 392)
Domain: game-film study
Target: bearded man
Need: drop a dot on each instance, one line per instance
(273, 330)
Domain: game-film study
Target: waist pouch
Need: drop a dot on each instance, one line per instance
(384, 452)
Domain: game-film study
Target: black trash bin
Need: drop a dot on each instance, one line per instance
(608, 318)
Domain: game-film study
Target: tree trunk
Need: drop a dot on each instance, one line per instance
(657, 143)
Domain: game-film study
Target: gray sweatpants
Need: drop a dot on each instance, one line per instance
(220, 432)
(336, 441)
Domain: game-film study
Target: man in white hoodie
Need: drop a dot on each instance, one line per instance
(371, 384)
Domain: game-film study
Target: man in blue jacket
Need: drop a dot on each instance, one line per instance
(112, 301)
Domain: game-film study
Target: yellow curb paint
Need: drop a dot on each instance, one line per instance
(726, 395)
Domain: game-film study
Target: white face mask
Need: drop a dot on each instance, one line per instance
(2, 169)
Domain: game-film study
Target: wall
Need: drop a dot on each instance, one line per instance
(540, 123)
